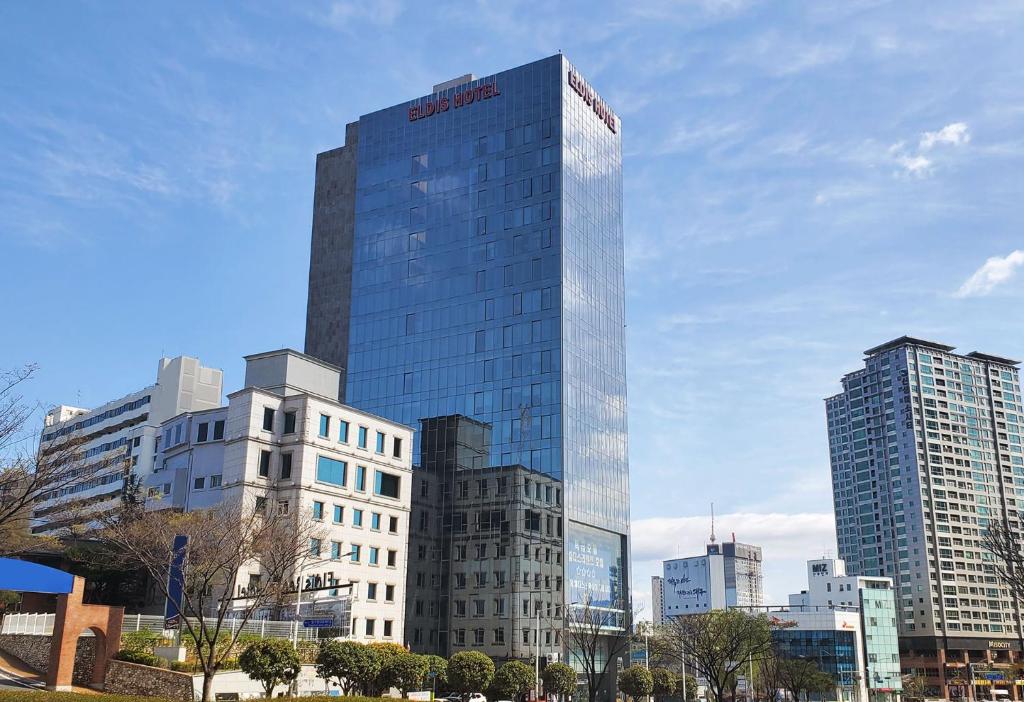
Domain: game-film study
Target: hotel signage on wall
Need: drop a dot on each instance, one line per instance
(461, 98)
(599, 106)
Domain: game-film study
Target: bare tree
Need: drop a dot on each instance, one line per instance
(1006, 543)
(222, 546)
(718, 644)
(31, 470)
(596, 636)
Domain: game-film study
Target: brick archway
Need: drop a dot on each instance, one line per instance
(72, 619)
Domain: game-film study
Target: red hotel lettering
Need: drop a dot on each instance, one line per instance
(601, 109)
(461, 98)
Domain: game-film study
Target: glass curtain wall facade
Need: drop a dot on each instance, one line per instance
(834, 652)
(485, 307)
(881, 644)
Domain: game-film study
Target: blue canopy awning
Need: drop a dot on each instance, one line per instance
(23, 576)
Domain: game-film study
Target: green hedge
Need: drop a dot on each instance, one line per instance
(140, 657)
(43, 696)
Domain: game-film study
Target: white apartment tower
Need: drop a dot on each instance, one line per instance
(119, 438)
(926, 451)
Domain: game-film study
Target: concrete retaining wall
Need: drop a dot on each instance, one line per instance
(132, 679)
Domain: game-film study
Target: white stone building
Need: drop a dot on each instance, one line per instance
(120, 437)
(285, 440)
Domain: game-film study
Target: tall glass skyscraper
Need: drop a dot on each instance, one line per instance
(467, 273)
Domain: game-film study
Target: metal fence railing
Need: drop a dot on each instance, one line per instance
(266, 628)
(42, 625)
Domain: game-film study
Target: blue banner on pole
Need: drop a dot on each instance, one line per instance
(175, 583)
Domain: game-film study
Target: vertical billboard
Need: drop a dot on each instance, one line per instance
(593, 567)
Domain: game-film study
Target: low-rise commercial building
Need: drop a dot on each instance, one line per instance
(874, 598)
(829, 636)
(283, 441)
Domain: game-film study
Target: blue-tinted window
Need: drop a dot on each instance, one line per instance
(386, 484)
(380, 442)
(361, 478)
(343, 431)
(374, 555)
(330, 470)
(362, 437)
(356, 550)
(374, 520)
(357, 517)
(335, 550)
(325, 425)
(314, 547)
(318, 510)
(339, 514)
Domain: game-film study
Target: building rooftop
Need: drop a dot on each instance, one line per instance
(992, 359)
(907, 341)
(913, 341)
(291, 352)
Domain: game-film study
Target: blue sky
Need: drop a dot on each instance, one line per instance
(802, 181)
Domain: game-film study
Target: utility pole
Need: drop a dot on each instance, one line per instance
(750, 682)
(682, 651)
(298, 602)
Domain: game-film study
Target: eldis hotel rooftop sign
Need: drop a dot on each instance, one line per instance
(461, 98)
(599, 106)
(468, 96)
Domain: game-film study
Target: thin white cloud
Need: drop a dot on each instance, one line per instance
(382, 13)
(995, 271)
(917, 164)
(955, 134)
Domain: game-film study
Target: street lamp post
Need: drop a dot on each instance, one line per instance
(536, 659)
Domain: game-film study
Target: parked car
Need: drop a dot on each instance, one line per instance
(456, 697)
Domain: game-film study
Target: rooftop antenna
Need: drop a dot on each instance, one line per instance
(712, 522)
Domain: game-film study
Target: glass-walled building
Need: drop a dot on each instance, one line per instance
(467, 272)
